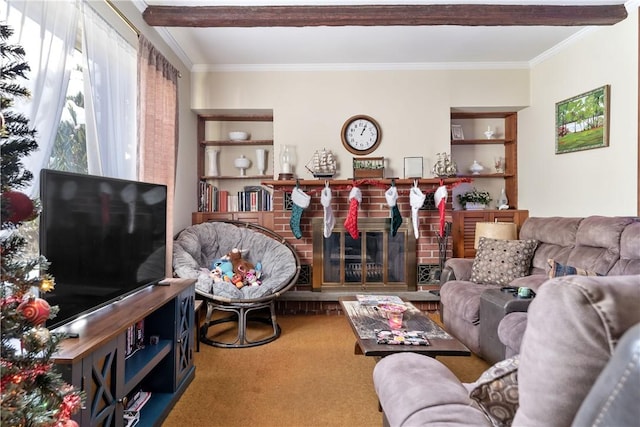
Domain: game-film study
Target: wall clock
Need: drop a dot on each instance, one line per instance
(361, 134)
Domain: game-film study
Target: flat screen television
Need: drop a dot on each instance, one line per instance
(105, 238)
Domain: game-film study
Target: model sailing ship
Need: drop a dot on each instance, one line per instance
(322, 164)
(445, 166)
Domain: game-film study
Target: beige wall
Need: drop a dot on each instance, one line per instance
(600, 181)
(412, 107)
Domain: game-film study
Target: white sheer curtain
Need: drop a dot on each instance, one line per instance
(47, 32)
(110, 99)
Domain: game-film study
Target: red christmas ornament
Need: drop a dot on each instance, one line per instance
(68, 423)
(35, 310)
(19, 206)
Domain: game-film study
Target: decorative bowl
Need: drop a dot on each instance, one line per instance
(387, 309)
(237, 135)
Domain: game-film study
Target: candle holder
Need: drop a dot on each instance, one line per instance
(287, 162)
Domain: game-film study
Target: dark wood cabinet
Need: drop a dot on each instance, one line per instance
(464, 227)
(96, 363)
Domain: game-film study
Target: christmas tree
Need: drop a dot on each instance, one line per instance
(32, 392)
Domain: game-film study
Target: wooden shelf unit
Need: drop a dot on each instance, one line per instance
(508, 121)
(96, 364)
(229, 148)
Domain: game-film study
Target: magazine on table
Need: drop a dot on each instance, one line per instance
(374, 300)
(401, 337)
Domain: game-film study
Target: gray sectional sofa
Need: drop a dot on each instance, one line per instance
(599, 245)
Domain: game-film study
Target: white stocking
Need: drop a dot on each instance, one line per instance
(329, 219)
(416, 200)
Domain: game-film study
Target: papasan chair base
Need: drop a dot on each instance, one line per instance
(194, 250)
(242, 314)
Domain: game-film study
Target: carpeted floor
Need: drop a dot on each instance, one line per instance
(308, 377)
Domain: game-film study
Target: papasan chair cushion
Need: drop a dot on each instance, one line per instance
(197, 246)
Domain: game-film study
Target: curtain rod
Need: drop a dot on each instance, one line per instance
(124, 18)
(128, 22)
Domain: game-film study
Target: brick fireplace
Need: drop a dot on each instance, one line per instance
(378, 260)
(373, 205)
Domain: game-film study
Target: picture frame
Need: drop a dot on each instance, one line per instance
(456, 132)
(413, 167)
(582, 121)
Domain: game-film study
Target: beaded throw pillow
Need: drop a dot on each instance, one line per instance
(557, 270)
(496, 392)
(498, 262)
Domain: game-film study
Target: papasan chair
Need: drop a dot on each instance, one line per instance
(195, 249)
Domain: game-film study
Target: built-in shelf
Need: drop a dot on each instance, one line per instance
(228, 142)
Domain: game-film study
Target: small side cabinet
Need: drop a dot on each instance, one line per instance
(463, 229)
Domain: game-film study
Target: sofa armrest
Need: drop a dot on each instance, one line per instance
(456, 269)
(613, 399)
(517, 305)
(418, 390)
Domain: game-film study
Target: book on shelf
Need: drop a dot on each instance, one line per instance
(134, 338)
(131, 418)
(374, 300)
(137, 400)
(249, 199)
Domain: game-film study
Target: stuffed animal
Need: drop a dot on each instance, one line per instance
(224, 267)
(240, 265)
(252, 278)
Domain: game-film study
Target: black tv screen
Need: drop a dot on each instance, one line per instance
(105, 238)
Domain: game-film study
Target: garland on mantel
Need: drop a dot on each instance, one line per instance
(301, 201)
(374, 183)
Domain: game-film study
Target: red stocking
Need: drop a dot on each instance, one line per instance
(440, 197)
(351, 223)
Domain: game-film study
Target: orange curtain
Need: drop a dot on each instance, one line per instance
(158, 127)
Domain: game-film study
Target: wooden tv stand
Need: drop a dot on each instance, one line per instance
(95, 361)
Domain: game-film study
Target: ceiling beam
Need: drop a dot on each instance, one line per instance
(383, 15)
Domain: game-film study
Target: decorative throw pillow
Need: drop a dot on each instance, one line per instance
(496, 392)
(498, 262)
(556, 270)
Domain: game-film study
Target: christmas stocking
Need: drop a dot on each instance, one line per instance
(392, 199)
(351, 223)
(416, 199)
(301, 201)
(440, 197)
(329, 219)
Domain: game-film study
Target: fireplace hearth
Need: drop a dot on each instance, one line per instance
(375, 261)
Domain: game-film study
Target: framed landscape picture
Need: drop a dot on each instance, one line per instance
(582, 122)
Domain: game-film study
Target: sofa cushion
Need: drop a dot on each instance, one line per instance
(556, 237)
(573, 325)
(598, 243)
(557, 270)
(498, 262)
(629, 261)
(463, 297)
(496, 392)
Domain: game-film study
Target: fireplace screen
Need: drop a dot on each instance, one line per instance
(376, 260)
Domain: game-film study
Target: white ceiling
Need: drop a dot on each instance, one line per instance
(394, 47)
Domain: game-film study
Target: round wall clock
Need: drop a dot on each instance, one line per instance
(361, 135)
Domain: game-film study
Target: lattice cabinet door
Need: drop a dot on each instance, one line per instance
(101, 370)
(185, 336)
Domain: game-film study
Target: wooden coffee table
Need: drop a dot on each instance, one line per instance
(364, 320)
